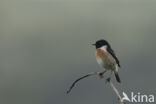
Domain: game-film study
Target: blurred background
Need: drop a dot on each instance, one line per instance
(46, 44)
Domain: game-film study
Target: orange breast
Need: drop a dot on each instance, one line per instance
(108, 62)
(101, 54)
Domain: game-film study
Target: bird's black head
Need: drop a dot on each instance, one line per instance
(101, 43)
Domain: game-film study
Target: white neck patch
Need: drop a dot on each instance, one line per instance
(104, 48)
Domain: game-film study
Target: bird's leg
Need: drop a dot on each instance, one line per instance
(109, 78)
(101, 74)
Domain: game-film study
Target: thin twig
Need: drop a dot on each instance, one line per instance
(89, 74)
(102, 76)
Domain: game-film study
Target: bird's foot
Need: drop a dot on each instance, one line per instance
(108, 79)
(101, 74)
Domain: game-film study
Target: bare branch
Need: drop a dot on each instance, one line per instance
(115, 89)
(101, 74)
(89, 74)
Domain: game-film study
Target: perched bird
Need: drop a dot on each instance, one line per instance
(106, 57)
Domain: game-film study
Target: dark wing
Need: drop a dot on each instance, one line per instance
(113, 54)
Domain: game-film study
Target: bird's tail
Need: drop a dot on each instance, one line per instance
(117, 76)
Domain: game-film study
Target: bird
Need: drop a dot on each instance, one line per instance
(106, 58)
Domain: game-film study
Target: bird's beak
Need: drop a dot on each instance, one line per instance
(93, 44)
